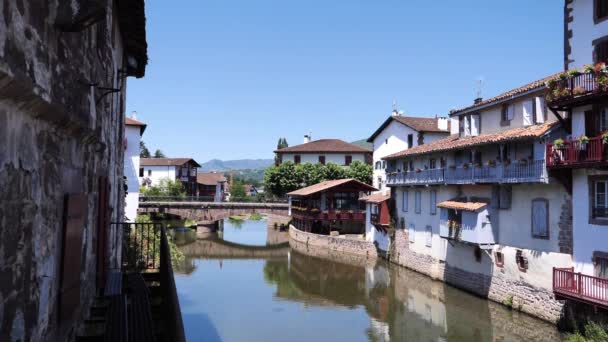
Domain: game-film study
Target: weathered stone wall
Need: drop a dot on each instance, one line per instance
(336, 248)
(498, 287)
(205, 213)
(57, 137)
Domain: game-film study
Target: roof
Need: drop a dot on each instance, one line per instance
(132, 19)
(133, 122)
(166, 161)
(536, 85)
(466, 206)
(210, 178)
(454, 142)
(325, 146)
(377, 197)
(326, 185)
(416, 123)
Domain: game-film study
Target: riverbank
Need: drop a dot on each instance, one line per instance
(342, 247)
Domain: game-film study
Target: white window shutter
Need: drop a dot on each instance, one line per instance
(510, 110)
(539, 218)
(467, 126)
(539, 101)
(528, 112)
(475, 124)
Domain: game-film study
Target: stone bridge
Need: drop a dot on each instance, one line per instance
(221, 249)
(209, 212)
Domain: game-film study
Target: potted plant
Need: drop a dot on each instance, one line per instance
(605, 137)
(583, 140)
(573, 73)
(579, 91)
(558, 143)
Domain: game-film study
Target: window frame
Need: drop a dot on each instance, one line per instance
(504, 114)
(600, 258)
(433, 202)
(141, 172)
(405, 201)
(592, 180)
(596, 15)
(297, 159)
(348, 159)
(418, 202)
(534, 234)
(322, 160)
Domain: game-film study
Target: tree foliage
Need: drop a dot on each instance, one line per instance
(237, 189)
(143, 150)
(165, 188)
(282, 143)
(287, 177)
(159, 154)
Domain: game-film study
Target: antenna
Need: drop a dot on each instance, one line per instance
(479, 87)
(394, 105)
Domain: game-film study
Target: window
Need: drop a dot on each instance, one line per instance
(380, 182)
(539, 110)
(402, 223)
(599, 198)
(432, 163)
(385, 141)
(507, 114)
(322, 160)
(429, 236)
(410, 140)
(600, 10)
(475, 157)
(411, 162)
(185, 171)
(461, 125)
(297, 159)
(384, 164)
(377, 165)
(603, 119)
(521, 260)
(141, 172)
(600, 261)
(499, 259)
(149, 173)
(467, 125)
(477, 253)
(433, 202)
(349, 159)
(411, 231)
(405, 200)
(600, 51)
(540, 218)
(417, 199)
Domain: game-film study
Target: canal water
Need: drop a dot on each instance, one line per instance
(247, 284)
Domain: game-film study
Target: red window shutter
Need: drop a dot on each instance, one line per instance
(74, 222)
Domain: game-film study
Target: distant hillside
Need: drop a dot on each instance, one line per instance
(363, 143)
(240, 164)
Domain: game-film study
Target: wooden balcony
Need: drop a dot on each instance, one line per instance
(580, 287)
(316, 214)
(532, 171)
(575, 91)
(574, 154)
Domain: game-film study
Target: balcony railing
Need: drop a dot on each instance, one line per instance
(315, 214)
(517, 172)
(580, 287)
(574, 153)
(575, 89)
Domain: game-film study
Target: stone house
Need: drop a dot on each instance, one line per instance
(478, 209)
(63, 72)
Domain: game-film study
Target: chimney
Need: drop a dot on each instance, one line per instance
(394, 113)
(442, 123)
(478, 100)
(134, 115)
(308, 138)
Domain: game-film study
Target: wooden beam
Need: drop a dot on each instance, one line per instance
(561, 120)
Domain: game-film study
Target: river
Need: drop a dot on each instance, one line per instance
(247, 284)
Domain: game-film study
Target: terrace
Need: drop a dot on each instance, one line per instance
(579, 287)
(576, 153)
(575, 88)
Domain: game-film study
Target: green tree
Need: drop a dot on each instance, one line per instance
(282, 143)
(361, 172)
(238, 189)
(165, 188)
(143, 150)
(159, 154)
(279, 180)
(334, 171)
(309, 174)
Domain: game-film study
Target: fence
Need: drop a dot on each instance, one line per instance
(580, 286)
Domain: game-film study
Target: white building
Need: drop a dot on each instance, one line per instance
(398, 133)
(478, 210)
(153, 170)
(133, 133)
(324, 151)
(582, 162)
(211, 186)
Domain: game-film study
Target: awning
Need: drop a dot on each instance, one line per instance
(466, 206)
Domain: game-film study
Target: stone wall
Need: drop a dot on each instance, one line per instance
(336, 248)
(205, 213)
(565, 226)
(58, 136)
(498, 287)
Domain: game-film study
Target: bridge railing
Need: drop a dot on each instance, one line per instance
(176, 198)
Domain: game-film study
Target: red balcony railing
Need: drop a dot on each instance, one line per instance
(575, 153)
(580, 287)
(315, 214)
(573, 89)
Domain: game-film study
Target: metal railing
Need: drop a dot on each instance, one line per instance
(176, 198)
(562, 91)
(575, 152)
(580, 286)
(315, 214)
(532, 171)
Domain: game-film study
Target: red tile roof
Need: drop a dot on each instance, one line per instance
(453, 142)
(211, 178)
(133, 122)
(166, 161)
(325, 146)
(326, 185)
(536, 85)
(377, 197)
(467, 206)
(416, 123)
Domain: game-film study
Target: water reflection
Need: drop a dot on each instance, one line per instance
(293, 296)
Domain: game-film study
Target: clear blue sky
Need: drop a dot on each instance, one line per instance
(227, 78)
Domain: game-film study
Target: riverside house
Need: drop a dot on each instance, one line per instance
(133, 132)
(479, 210)
(324, 151)
(580, 158)
(153, 170)
(211, 185)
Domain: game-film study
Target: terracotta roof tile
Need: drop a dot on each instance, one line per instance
(467, 206)
(210, 178)
(417, 123)
(377, 197)
(538, 84)
(309, 190)
(325, 146)
(453, 142)
(133, 122)
(166, 161)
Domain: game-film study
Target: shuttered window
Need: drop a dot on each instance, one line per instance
(539, 110)
(349, 159)
(601, 267)
(601, 9)
(433, 202)
(322, 160)
(405, 200)
(417, 198)
(297, 159)
(528, 112)
(540, 218)
(601, 52)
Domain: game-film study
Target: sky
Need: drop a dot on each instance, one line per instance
(227, 78)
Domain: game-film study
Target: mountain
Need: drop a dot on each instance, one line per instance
(363, 143)
(240, 164)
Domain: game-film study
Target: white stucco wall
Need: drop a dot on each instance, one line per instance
(131, 170)
(337, 158)
(372, 234)
(584, 31)
(158, 173)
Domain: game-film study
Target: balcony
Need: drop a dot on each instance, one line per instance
(577, 89)
(580, 287)
(316, 214)
(575, 154)
(470, 229)
(517, 172)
